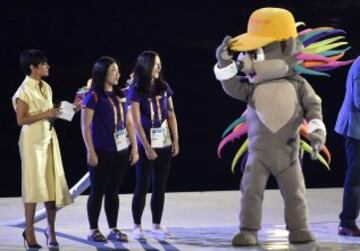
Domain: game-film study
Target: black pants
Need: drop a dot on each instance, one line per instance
(351, 199)
(106, 179)
(157, 172)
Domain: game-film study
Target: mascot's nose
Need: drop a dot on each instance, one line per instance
(239, 65)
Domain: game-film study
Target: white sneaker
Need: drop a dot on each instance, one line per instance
(138, 233)
(161, 232)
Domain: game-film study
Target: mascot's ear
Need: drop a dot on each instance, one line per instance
(289, 46)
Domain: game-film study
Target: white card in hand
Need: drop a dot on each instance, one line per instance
(67, 111)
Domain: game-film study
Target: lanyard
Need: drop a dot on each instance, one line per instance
(122, 119)
(152, 113)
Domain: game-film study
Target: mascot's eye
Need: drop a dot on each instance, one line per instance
(251, 54)
(259, 55)
(241, 56)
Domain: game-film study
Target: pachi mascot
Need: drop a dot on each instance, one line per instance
(272, 54)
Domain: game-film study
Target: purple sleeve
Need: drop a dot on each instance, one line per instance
(133, 95)
(169, 91)
(356, 83)
(89, 101)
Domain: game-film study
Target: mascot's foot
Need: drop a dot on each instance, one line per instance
(301, 236)
(245, 238)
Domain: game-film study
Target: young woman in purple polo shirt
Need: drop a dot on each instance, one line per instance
(110, 141)
(156, 127)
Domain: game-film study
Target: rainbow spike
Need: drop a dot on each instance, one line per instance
(239, 153)
(324, 42)
(307, 148)
(238, 121)
(319, 35)
(333, 52)
(242, 130)
(301, 70)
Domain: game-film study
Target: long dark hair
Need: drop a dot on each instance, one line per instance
(99, 74)
(143, 75)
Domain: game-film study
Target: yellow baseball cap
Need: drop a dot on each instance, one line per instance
(265, 26)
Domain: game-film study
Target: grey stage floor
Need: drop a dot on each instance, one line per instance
(199, 221)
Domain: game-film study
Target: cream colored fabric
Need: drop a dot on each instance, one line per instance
(43, 177)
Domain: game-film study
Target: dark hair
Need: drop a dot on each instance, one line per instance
(143, 75)
(99, 74)
(31, 57)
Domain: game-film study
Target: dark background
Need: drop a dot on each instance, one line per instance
(185, 33)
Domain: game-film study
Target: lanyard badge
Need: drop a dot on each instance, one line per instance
(160, 136)
(122, 141)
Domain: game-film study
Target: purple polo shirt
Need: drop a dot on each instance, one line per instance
(134, 95)
(103, 124)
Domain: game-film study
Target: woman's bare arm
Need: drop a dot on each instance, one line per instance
(24, 118)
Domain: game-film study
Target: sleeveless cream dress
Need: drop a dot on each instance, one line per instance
(43, 177)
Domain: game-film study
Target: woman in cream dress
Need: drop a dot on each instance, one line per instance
(43, 178)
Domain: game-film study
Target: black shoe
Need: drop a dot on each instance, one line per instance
(27, 245)
(346, 231)
(50, 244)
(96, 236)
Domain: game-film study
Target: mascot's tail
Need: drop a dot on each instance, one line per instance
(321, 51)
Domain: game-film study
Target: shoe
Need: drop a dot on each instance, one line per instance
(96, 236)
(50, 244)
(161, 232)
(27, 245)
(354, 231)
(138, 233)
(117, 235)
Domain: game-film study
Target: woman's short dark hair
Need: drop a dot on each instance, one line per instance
(99, 74)
(143, 75)
(31, 57)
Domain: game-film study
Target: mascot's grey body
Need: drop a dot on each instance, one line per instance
(277, 102)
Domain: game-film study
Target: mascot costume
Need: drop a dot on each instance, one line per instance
(281, 105)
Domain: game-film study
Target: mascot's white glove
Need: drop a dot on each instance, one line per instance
(317, 134)
(225, 73)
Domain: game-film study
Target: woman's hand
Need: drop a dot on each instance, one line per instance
(175, 149)
(52, 113)
(77, 103)
(92, 159)
(150, 153)
(134, 156)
